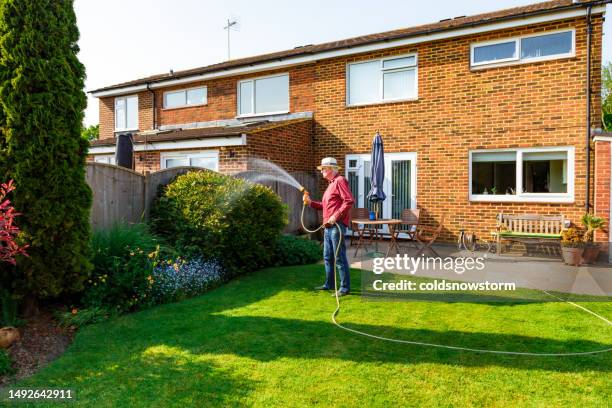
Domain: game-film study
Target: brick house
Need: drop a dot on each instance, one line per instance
(479, 114)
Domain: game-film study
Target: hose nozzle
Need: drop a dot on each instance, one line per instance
(306, 194)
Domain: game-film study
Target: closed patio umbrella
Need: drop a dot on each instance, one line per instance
(377, 175)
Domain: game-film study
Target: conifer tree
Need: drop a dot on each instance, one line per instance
(42, 104)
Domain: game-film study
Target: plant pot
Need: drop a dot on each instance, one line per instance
(8, 335)
(590, 254)
(572, 256)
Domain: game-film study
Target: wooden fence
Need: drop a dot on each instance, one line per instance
(120, 194)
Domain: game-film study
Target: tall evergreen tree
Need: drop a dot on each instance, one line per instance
(41, 113)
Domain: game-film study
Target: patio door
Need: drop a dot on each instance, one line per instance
(399, 184)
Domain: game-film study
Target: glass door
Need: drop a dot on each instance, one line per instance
(399, 184)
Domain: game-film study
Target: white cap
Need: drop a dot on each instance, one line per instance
(328, 162)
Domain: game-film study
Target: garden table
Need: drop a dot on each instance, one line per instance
(376, 236)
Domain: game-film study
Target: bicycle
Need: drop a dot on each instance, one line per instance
(470, 242)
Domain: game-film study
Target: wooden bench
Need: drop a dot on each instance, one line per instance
(528, 228)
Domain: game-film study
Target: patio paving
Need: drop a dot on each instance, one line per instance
(534, 272)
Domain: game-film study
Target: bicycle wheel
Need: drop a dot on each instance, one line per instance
(469, 241)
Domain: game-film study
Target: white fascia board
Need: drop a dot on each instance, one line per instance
(282, 63)
(603, 139)
(120, 91)
(183, 144)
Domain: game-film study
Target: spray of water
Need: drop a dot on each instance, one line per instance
(261, 170)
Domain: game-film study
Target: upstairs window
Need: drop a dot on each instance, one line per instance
(384, 80)
(260, 96)
(529, 48)
(558, 44)
(185, 97)
(126, 113)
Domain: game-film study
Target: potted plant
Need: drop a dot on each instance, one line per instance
(591, 248)
(572, 246)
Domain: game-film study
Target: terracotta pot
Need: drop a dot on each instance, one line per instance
(572, 256)
(8, 335)
(590, 254)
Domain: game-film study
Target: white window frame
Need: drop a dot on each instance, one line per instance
(104, 158)
(527, 197)
(125, 98)
(253, 80)
(382, 71)
(209, 154)
(185, 90)
(518, 59)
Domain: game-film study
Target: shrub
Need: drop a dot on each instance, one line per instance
(81, 317)
(9, 248)
(220, 217)
(6, 365)
(592, 224)
(291, 250)
(179, 279)
(123, 259)
(572, 238)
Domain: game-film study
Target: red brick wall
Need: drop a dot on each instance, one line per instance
(458, 110)
(107, 114)
(221, 101)
(107, 117)
(289, 146)
(602, 186)
(232, 159)
(222, 94)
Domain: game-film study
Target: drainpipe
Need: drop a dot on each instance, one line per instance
(154, 123)
(588, 112)
(154, 107)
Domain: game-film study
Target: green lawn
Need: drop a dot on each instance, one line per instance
(266, 340)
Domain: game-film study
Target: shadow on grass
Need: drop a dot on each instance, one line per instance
(206, 326)
(174, 350)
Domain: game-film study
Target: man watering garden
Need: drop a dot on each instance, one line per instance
(336, 205)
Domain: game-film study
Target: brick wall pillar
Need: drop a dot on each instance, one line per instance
(603, 163)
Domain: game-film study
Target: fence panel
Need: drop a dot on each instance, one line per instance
(121, 194)
(118, 194)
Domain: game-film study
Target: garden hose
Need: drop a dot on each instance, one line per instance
(442, 346)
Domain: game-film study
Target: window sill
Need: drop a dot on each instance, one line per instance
(382, 102)
(185, 106)
(257, 115)
(125, 130)
(542, 199)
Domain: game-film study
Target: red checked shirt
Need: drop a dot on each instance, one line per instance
(337, 200)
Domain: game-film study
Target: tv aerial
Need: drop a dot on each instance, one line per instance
(232, 24)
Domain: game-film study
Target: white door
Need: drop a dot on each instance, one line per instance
(399, 184)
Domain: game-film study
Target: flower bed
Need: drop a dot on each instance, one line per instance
(180, 278)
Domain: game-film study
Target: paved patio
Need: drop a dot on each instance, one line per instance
(543, 271)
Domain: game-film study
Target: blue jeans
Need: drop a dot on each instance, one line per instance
(331, 238)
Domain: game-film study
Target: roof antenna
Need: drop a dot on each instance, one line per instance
(231, 22)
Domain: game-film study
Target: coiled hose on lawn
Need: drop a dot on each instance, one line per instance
(444, 346)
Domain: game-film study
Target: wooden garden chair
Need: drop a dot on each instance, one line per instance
(362, 230)
(409, 225)
(426, 236)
